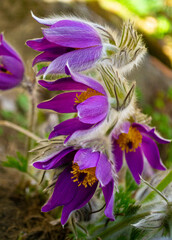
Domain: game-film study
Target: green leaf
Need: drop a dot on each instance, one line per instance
(20, 163)
(23, 160)
(161, 186)
(137, 234)
(124, 202)
(40, 66)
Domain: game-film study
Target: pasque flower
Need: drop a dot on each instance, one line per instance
(137, 141)
(82, 44)
(93, 104)
(11, 66)
(87, 98)
(72, 41)
(84, 170)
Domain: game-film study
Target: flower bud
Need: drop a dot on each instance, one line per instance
(11, 66)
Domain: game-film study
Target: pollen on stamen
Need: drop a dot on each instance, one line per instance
(130, 141)
(85, 177)
(85, 95)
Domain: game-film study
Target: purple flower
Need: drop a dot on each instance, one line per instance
(137, 142)
(73, 41)
(88, 99)
(78, 182)
(11, 66)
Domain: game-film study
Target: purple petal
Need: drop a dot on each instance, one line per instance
(151, 133)
(74, 34)
(68, 127)
(82, 197)
(151, 152)
(135, 163)
(55, 160)
(14, 66)
(8, 81)
(45, 57)
(42, 44)
(109, 199)
(78, 60)
(51, 54)
(64, 192)
(103, 170)
(86, 158)
(93, 110)
(6, 49)
(41, 71)
(85, 80)
(83, 133)
(118, 156)
(63, 84)
(62, 103)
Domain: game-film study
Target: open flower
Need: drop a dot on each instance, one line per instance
(87, 98)
(82, 44)
(77, 183)
(97, 109)
(11, 66)
(137, 141)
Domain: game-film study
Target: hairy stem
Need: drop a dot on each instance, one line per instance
(20, 129)
(125, 222)
(32, 176)
(32, 115)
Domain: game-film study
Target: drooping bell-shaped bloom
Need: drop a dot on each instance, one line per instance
(137, 141)
(77, 183)
(73, 41)
(11, 66)
(82, 44)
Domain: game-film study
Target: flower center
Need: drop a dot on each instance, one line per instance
(85, 95)
(3, 69)
(85, 177)
(130, 141)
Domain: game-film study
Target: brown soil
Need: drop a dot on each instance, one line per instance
(20, 215)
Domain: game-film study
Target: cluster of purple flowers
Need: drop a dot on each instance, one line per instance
(106, 128)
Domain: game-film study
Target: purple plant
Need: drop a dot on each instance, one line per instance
(137, 141)
(87, 98)
(77, 183)
(11, 66)
(88, 149)
(82, 44)
(73, 41)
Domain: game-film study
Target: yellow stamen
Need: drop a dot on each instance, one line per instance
(130, 141)
(85, 177)
(85, 95)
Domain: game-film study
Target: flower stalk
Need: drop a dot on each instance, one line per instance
(121, 225)
(21, 130)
